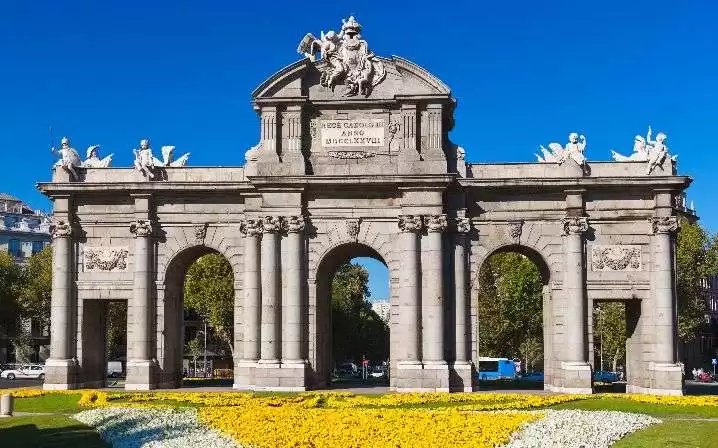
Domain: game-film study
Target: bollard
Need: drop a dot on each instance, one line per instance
(6, 402)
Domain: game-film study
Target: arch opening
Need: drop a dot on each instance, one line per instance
(353, 310)
(513, 312)
(196, 326)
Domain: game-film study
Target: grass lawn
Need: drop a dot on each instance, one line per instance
(56, 403)
(673, 433)
(55, 431)
(625, 405)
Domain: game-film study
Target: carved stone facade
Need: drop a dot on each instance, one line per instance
(616, 258)
(106, 259)
(295, 211)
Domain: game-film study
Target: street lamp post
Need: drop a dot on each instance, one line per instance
(204, 365)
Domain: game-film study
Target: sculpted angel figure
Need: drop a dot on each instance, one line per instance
(94, 161)
(347, 57)
(657, 151)
(144, 160)
(167, 158)
(557, 154)
(640, 152)
(69, 158)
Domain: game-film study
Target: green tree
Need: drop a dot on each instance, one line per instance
(11, 282)
(510, 308)
(116, 328)
(37, 289)
(22, 344)
(209, 292)
(357, 330)
(193, 349)
(695, 260)
(609, 334)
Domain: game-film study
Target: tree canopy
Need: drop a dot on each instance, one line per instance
(357, 331)
(209, 291)
(510, 308)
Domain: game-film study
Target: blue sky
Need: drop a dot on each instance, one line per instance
(524, 74)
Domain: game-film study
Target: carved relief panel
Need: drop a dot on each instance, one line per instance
(616, 258)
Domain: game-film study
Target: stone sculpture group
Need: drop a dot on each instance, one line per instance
(144, 162)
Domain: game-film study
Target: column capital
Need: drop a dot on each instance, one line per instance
(60, 228)
(141, 227)
(271, 224)
(294, 224)
(436, 223)
(462, 225)
(410, 223)
(665, 224)
(251, 227)
(574, 225)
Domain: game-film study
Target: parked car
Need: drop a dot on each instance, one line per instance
(378, 372)
(603, 376)
(25, 371)
(114, 369)
(533, 376)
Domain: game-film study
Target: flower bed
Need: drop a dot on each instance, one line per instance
(152, 428)
(572, 428)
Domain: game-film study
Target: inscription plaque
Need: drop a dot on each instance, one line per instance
(352, 133)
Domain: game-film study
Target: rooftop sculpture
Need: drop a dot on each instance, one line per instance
(146, 162)
(93, 160)
(647, 150)
(347, 58)
(69, 158)
(573, 150)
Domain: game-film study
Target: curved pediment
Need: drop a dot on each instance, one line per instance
(401, 78)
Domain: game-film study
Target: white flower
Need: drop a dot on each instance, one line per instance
(153, 428)
(579, 429)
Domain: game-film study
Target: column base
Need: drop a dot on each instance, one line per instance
(289, 376)
(141, 375)
(429, 377)
(244, 371)
(659, 379)
(61, 374)
(461, 377)
(572, 378)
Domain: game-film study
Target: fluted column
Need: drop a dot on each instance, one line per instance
(662, 286)
(432, 299)
(139, 333)
(61, 333)
(293, 303)
(252, 289)
(409, 288)
(463, 226)
(573, 287)
(270, 338)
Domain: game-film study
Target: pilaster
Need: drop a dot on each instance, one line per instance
(247, 362)
(461, 374)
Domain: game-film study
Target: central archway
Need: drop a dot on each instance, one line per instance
(323, 344)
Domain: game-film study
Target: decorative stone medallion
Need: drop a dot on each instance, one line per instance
(107, 259)
(352, 226)
(616, 258)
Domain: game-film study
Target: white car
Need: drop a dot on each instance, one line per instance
(25, 371)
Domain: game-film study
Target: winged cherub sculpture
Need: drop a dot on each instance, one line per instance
(144, 160)
(94, 161)
(573, 150)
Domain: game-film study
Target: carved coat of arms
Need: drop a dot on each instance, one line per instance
(347, 59)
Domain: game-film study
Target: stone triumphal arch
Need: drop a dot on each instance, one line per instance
(354, 159)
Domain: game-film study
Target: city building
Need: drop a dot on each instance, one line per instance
(23, 232)
(383, 309)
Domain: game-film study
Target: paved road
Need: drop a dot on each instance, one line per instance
(7, 384)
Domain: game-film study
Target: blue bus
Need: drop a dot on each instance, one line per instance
(495, 369)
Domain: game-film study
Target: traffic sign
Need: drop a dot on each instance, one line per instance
(714, 361)
(366, 362)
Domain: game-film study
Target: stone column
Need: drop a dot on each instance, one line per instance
(293, 304)
(270, 338)
(662, 285)
(252, 284)
(139, 319)
(573, 288)
(407, 375)
(60, 368)
(252, 289)
(463, 370)
(432, 299)
(576, 371)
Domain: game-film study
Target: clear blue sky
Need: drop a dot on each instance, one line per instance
(524, 74)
